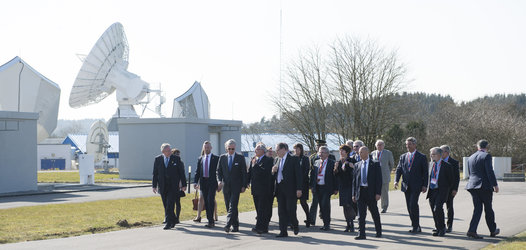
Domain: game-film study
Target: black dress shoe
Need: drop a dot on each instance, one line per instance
(384, 211)
(495, 233)
(378, 235)
(236, 229)
(210, 225)
(177, 222)
(324, 228)
(172, 225)
(164, 222)
(474, 235)
(307, 223)
(434, 231)
(449, 229)
(439, 233)
(416, 230)
(168, 226)
(282, 235)
(296, 230)
(360, 237)
(347, 229)
(227, 229)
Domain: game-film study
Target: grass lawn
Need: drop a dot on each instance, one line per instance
(516, 242)
(73, 219)
(73, 177)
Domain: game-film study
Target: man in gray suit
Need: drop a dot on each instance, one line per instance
(385, 157)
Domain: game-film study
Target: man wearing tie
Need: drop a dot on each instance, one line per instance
(260, 177)
(413, 168)
(168, 171)
(440, 182)
(386, 160)
(288, 177)
(454, 187)
(481, 185)
(367, 191)
(232, 178)
(323, 185)
(206, 180)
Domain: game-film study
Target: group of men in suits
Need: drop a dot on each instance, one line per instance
(282, 178)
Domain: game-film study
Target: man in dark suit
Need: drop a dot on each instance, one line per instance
(481, 185)
(367, 190)
(454, 187)
(314, 157)
(413, 168)
(260, 178)
(323, 185)
(168, 171)
(232, 178)
(440, 182)
(206, 180)
(288, 176)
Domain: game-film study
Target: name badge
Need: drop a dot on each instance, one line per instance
(433, 181)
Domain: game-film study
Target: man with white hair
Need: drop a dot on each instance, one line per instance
(168, 171)
(232, 178)
(386, 160)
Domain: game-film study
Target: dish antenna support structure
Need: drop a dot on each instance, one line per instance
(105, 70)
(97, 143)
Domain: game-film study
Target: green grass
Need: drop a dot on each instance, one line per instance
(516, 242)
(73, 177)
(73, 219)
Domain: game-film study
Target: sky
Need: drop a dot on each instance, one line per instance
(465, 49)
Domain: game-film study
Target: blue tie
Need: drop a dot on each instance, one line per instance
(229, 163)
(166, 162)
(364, 174)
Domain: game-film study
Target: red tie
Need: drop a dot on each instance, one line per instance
(206, 167)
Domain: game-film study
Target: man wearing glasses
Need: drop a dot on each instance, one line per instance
(232, 178)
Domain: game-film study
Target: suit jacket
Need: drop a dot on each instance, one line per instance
(386, 162)
(235, 179)
(481, 175)
(445, 180)
(292, 176)
(260, 176)
(305, 167)
(212, 164)
(456, 172)
(417, 177)
(345, 178)
(174, 173)
(330, 179)
(374, 179)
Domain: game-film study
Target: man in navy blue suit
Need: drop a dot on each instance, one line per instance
(413, 169)
(206, 180)
(481, 185)
(440, 183)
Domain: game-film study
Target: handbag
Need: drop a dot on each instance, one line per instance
(195, 201)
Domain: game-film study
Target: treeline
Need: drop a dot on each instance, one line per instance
(436, 120)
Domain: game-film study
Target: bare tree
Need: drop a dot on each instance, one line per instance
(365, 78)
(304, 98)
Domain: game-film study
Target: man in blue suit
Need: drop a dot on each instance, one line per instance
(413, 169)
(481, 185)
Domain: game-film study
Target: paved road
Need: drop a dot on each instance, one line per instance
(508, 204)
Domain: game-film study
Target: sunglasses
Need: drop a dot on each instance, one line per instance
(231, 149)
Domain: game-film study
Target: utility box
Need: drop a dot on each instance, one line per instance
(86, 169)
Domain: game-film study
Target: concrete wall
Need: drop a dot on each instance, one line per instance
(18, 151)
(54, 151)
(140, 141)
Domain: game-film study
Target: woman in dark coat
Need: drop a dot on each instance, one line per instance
(344, 171)
(305, 169)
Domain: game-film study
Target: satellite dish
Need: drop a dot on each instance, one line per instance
(192, 104)
(104, 70)
(23, 89)
(97, 142)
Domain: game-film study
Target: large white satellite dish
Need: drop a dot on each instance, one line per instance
(104, 70)
(97, 143)
(23, 89)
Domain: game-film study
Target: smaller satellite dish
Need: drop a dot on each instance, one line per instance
(97, 142)
(192, 104)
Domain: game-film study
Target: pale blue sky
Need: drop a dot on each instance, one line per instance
(466, 49)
